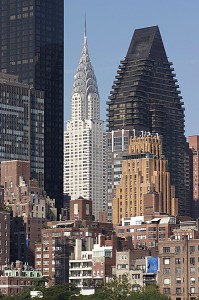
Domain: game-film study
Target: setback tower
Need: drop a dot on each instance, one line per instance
(85, 140)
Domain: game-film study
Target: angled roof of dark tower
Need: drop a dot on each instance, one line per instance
(147, 43)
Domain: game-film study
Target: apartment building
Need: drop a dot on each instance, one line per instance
(136, 265)
(67, 232)
(80, 264)
(4, 238)
(147, 232)
(28, 202)
(17, 277)
(179, 264)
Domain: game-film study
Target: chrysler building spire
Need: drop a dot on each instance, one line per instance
(85, 96)
(84, 138)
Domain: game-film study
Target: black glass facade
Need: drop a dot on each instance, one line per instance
(145, 96)
(31, 44)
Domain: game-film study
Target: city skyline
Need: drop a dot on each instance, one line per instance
(108, 42)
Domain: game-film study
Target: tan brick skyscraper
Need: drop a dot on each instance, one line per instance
(144, 170)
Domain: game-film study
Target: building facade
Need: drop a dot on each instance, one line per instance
(145, 96)
(117, 146)
(178, 272)
(22, 124)
(144, 170)
(31, 43)
(28, 203)
(17, 277)
(84, 139)
(4, 238)
(146, 232)
(194, 174)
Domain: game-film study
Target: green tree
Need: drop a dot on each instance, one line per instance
(150, 292)
(60, 292)
(116, 289)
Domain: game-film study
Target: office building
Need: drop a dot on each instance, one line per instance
(145, 97)
(31, 46)
(22, 124)
(144, 171)
(84, 139)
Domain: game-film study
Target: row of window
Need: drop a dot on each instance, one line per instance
(178, 249)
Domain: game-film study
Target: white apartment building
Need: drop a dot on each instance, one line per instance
(85, 140)
(80, 268)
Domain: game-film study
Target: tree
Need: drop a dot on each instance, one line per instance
(150, 292)
(61, 292)
(116, 289)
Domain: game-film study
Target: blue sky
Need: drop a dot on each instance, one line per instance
(110, 27)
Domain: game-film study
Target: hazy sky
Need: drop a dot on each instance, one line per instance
(110, 27)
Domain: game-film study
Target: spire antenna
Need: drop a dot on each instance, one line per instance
(85, 26)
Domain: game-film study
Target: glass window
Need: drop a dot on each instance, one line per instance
(166, 261)
(178, 291)
(166, 291)
(167, 281)
(166, 249)
(166, 271)
(177, 260)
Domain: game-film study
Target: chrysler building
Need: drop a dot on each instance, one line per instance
(84, 139)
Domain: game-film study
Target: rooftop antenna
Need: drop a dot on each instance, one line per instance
(85, 25)
(85, 39)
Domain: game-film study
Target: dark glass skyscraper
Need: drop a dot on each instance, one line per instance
(31, 45)
(145, 96)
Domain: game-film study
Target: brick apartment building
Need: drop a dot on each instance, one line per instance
(29, 204)
(47, 258)
(194, 148)
(134, 263)
(179, 263)
(4, 238)
(16, 277)
(147, 232)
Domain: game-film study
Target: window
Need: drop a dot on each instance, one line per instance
(177, 260)
(178, 270)
(162, 236)
(166, 261)
(192, 290)
(122, 267)
(166, 249)
(191, 249)
(166, 291)
(177, 249)
(192, 270)
(178, 280)
(135, 276)
(192, 260)
(178, 291)
(161, 228)
(166, 271)
(167, 281)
